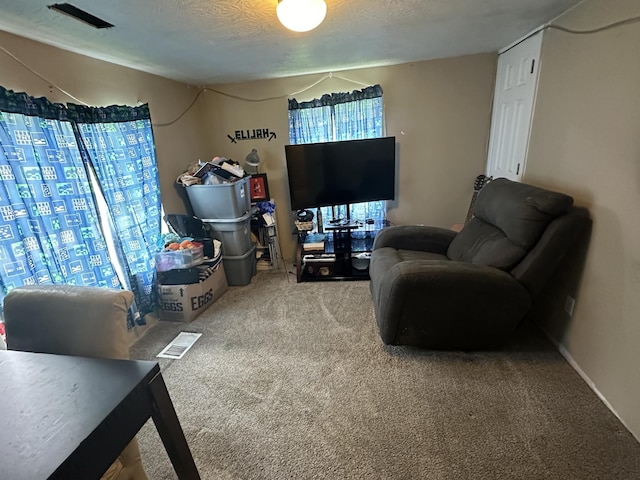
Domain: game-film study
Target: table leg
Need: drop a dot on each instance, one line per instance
(168, 425)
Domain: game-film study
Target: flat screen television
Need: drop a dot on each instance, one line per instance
(338, 173)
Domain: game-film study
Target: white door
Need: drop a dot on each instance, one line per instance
(516, 82)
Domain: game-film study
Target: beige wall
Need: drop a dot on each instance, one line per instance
(100, 84)
(586, 141)
(439, 111)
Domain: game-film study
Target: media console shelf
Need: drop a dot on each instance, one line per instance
(341, 253)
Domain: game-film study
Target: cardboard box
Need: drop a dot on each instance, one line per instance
(183, 303)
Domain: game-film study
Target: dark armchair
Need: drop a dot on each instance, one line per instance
(439, 289)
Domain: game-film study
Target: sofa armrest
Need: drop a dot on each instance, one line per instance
(415, 237)
(472, 304)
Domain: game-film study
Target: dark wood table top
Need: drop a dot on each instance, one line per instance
(62, 414)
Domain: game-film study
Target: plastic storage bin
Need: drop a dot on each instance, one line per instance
(187, 226)
(226, 200)
(239, 269)
(234, 233)
(179, 259)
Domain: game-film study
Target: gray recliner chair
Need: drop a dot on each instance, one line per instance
(439, 289)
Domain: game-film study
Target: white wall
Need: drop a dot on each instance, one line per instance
(586, 142)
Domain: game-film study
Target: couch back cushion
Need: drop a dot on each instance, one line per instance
(68, 320)
(509, 219)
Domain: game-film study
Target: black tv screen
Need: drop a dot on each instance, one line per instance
(338, 173)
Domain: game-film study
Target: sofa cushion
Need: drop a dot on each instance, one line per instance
(483, 244)
(387, 257)
(521, 211)
(509, 219)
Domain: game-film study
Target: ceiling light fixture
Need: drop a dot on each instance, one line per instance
(301, 15)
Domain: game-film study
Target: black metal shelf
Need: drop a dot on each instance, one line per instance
(344, 244)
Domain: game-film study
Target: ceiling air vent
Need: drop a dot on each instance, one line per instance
(81, 15)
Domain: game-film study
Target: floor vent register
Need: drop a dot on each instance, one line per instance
(179, 346)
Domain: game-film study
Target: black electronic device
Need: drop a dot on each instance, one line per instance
(304, 215)
(338, 173)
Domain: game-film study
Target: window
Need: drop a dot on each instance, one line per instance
(341, 116)
(55, 161)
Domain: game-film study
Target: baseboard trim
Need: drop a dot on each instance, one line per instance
(570, 360)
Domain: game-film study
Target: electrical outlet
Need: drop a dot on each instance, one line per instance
(569, 304)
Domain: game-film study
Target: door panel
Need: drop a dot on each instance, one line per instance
(514, 99)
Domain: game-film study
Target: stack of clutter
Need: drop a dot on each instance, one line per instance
(188, 282)
(219, 170)
(226, 209)
(263, 231)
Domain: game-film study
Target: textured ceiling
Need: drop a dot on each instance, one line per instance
(205, 42)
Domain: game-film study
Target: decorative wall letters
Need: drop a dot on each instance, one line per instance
(254, 134)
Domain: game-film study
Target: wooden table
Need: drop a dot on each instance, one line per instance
(65, 417)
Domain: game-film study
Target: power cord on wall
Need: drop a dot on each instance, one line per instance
(41, 77)
(200, 91)
(288, 95)
(193, 102)
(265, 99)
(620, 23)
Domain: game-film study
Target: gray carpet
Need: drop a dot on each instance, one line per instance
(291, 381)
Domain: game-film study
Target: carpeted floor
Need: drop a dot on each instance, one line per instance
(292, 381)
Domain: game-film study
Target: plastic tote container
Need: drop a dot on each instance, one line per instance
(234, 233)
(226, 200)
(171, 259)
(240, 268)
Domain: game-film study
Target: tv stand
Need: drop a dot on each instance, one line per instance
(342, 224)
(341, 253)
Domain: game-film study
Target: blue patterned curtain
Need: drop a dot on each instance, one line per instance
(49, 226)
(336, 117)
(310, 125)
(118, 143)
